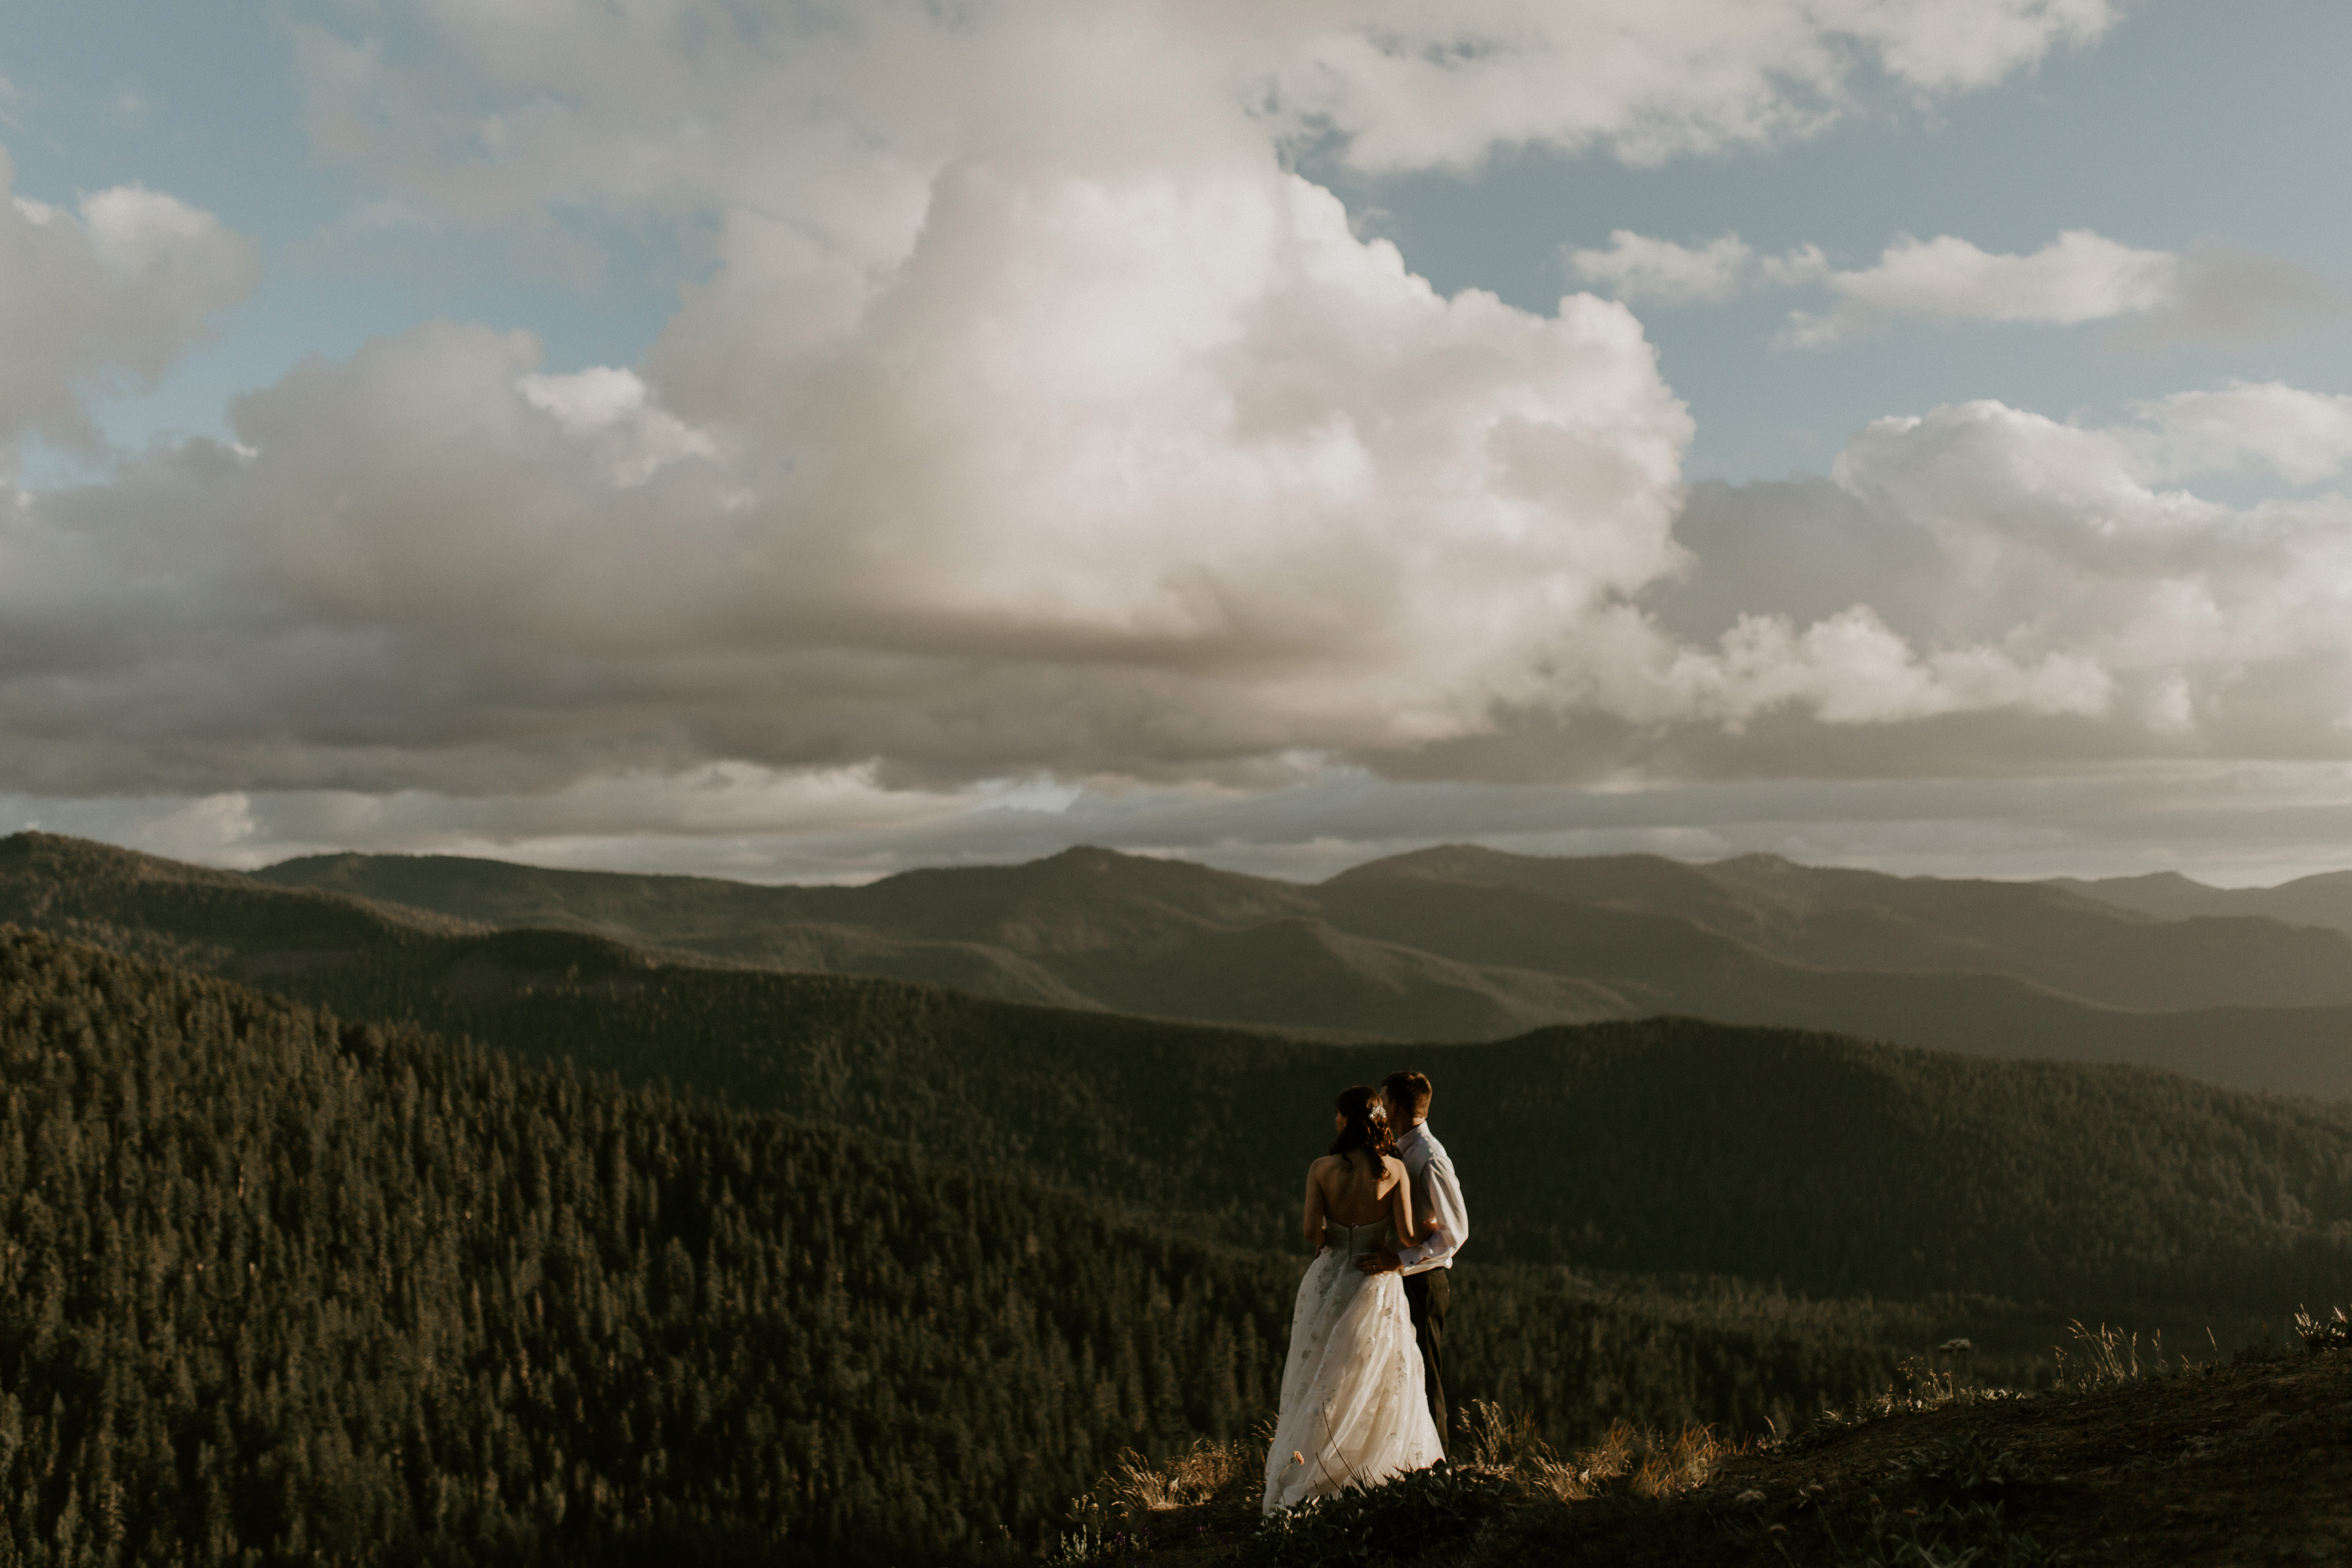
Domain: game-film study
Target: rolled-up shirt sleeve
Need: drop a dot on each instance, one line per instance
(1444, 1193)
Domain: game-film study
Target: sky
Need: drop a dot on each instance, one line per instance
(799, 441)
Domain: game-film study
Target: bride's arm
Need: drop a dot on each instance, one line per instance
(1312, 1223)
(1400, 1203)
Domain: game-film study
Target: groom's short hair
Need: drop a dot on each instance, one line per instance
(1410, 1088)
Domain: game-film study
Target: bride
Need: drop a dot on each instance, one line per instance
(1353, 1407)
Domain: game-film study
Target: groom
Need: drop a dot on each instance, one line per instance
(1438, 1208)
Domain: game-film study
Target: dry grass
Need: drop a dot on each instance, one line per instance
(1647, 1461)
(2331, 1333)
(1497, 1444)
(1494, 1438)
(2103, 1358)
(1200, 1473)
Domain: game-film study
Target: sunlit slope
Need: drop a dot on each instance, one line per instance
(1464, 943)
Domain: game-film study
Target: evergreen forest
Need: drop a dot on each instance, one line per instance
(275, 1288)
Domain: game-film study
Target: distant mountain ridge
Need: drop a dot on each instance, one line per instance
(2325, 900)
(1453, 944)
(1462, 944)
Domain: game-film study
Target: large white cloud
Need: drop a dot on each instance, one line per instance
(2220, 630)
(117, 290)
(1033, 418)
(1066, 499)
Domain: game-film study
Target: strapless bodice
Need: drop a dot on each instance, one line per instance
(1355, 1240)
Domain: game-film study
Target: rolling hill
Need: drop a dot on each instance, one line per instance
(1659, 1147)
(2325, 900)
(1466, 944)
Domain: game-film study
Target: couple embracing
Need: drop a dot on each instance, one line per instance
(1362, 1398)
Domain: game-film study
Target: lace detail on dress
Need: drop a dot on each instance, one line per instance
(1353, 1403)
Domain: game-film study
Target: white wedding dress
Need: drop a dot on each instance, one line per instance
(1353, 1407)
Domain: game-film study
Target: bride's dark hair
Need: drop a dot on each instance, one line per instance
(1367, 1124)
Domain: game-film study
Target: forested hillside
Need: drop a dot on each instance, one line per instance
(278, 1289)
(279, 1284)
(1464, 943)
(1654, 1148)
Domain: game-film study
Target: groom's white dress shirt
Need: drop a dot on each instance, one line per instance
(1435, 1191)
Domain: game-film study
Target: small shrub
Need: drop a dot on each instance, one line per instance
(1966, 1467)
(1097, 1539)
(1362, 1527)
(1956, 1491)
(1921, 1388)
(1947, 1535)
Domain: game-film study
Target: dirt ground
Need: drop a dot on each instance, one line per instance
(2244, 1464)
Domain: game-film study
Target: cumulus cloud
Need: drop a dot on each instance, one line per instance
(2163, 623)
(115, 289)
(1076, 505)
(1034, 418)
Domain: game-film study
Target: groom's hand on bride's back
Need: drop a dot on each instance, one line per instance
(1380, 1262)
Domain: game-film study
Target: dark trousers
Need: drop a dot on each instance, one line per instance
(1427, 1294)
